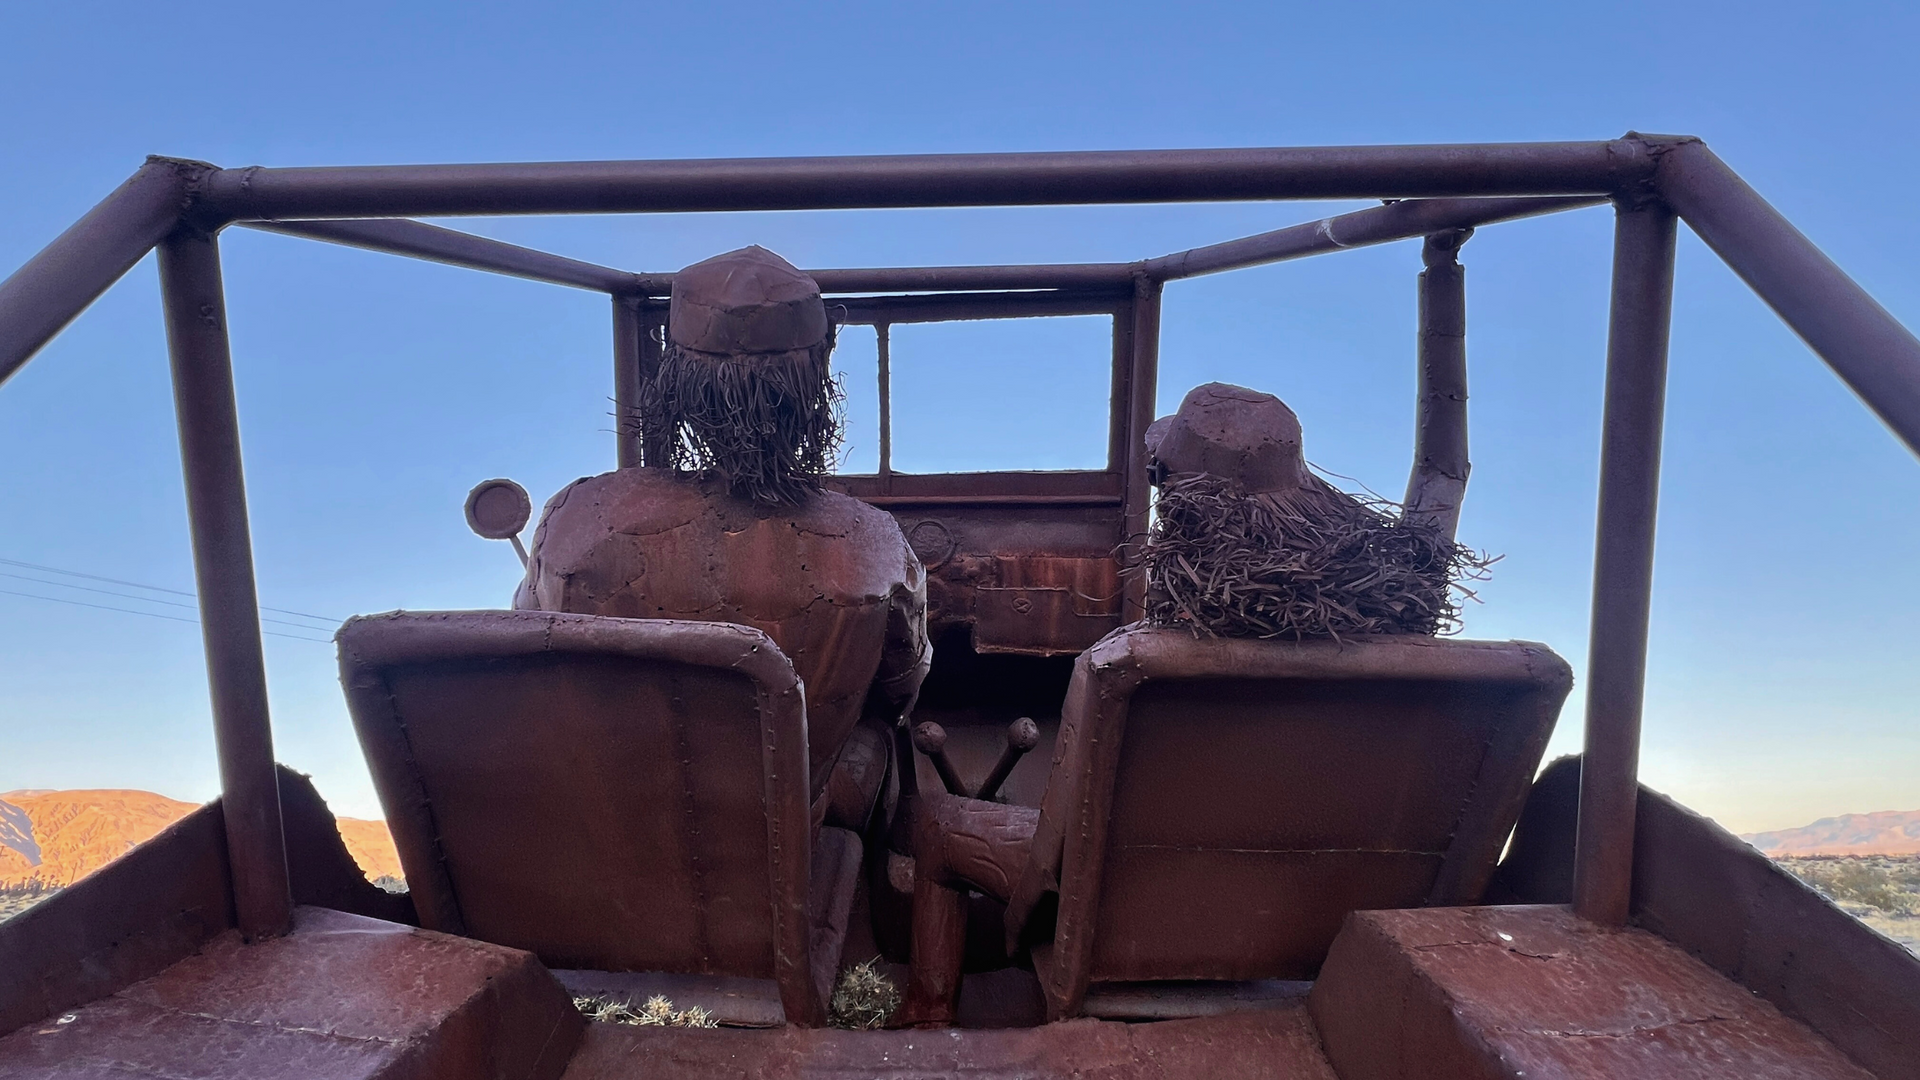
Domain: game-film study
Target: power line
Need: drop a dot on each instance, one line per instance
(148, 614)
(152, 588)
(144, 599)
(106, 592)
(102, 607)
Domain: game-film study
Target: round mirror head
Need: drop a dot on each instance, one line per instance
(498, 509)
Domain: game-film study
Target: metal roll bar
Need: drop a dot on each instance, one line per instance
(180, 205)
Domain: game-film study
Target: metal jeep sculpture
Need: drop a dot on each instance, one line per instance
(1229, 857)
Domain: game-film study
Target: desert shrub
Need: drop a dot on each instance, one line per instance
(1887, 888)
(863, 997)
(657, 1012)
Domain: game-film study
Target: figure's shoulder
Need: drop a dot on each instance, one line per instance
(622, 500)
(635, 485)
(833, 511)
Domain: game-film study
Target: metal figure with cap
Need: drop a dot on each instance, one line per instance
(735, 525)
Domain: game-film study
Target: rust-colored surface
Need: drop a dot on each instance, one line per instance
(1243, 435)
(209, 426)
(340, 996)
(1275, 1043)
(1637, 333)
(659, 819)
(1538, 992)
(324, 873)
(122, 923)
(1706, 890)
(831, 581)
(160, 901)
(1849, 987)
(1023, 561)
(1217, 807)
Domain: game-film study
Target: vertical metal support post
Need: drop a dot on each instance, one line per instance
(626, 382)
(1623, 558)
(1119, 416)
(883, 339)
(223, 571)
(1438, 482)
(652, 327)
(1142, 384)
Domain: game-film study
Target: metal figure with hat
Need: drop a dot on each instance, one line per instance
(734, 525)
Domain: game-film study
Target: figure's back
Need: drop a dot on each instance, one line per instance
(831, 581)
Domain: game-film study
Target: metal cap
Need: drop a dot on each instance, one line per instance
(746, 301)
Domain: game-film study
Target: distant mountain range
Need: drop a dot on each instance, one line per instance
(1887, 832)
(58, 837)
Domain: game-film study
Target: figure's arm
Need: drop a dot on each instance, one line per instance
(907, 652)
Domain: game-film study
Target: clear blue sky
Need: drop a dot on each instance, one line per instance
(374, 391)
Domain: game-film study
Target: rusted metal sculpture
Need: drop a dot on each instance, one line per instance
(1248, 542)
(1023, 576)
(673, 752)
(731, 525)
(1242, 448)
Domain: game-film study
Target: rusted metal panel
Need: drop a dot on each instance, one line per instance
(322, 870)
(1711, 893)
(1380, 748)
(689, 846)
(1007, 566)
(118, 925)
(1513, 992)
(196, 315)
(1623, 555)
(161, 901)
(341, 996)
(1046, 604)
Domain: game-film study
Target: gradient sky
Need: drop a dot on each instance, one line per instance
(375, 391)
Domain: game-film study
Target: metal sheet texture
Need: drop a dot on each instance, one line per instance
(341, 996)
(1513, 992)
(1713, 894)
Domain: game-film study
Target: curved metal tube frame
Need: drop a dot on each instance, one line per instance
(1450, 187)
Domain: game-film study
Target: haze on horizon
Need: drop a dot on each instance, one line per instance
(375, 391)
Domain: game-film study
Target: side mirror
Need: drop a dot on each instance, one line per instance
(498, 510)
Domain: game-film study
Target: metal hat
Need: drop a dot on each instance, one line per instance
(1232, 432)
(746, 301)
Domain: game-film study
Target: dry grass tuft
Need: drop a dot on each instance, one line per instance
(1314, 563)
(657, 1012)
(863, 998)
